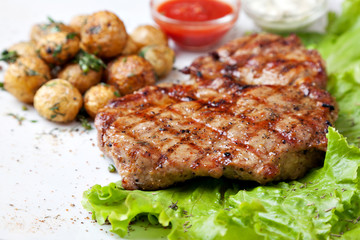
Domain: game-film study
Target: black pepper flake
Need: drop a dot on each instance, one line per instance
(185, 70)
(199, 74)
(109, 144)
(215, 55)
(331, 107)
(49, 50)
(185, 131)
(174, 206)
(227, 154)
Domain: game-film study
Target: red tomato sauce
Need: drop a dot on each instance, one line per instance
(194, 10)
(198, 32)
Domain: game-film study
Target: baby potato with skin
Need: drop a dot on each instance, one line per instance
(98, 96)
(58, 101)
(24, 49)
(130, 73)
(59, 47)
(78, 22)
(25, 76)
(104, 35)
(161, 58)
(82, 81)
(40, 30)
(130, 47)
(146, 35)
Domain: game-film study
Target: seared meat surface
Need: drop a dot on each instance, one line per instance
(261, 59)
(163, 135)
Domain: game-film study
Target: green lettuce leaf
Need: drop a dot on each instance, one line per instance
(339, 45)
(348, 20)
(345, 87)
(323, 204)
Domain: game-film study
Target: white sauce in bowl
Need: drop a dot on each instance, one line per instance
(286, 13)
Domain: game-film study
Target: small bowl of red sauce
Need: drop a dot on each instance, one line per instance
(195, 24)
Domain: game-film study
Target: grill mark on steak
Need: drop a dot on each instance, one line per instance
(196, 129)
(263, 59)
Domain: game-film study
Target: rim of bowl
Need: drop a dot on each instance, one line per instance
(225, 19)
(319, 9)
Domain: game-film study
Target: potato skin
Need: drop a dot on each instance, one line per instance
(40, 30)
(146, 35)
(130, 73)
(59, 47)
(131, 47)
(97, 97)
(161, 58)
(104, 35)
(24, 77)
(82, 81)
(24, 49)
(77, 22)
(58, 101)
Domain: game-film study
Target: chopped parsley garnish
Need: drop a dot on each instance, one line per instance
(71, 35)
(84, 122)
(55, 26)
(31, 72)
(51, 84)
(89, 61)
(57, 50)
(9, 56)
(2, 86)
(143, 52)
(117, 94)
(51, 20)
(55, 109)
(111, 168)
(17, 117)
(24, 108)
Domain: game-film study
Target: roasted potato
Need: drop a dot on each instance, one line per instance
(130, 73)
(25, 76)
(104, 35)
(146, 35)
(161, 58)
(58, 100)
(40, 30)
(24, 49)
(80, 79)
(78, 22)
(98, 96)
(59, 47)
(130, 47)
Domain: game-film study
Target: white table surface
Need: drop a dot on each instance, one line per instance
(45, 167)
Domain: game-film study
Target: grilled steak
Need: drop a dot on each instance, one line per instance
(163, 135)
(263, 59)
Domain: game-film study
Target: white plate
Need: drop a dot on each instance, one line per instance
(45, 167)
